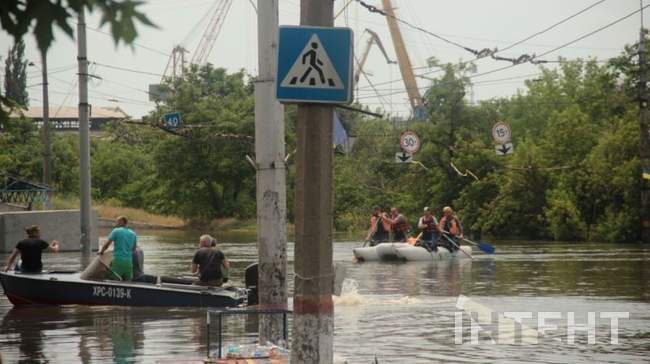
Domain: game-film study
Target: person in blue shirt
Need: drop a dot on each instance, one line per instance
(125, 242)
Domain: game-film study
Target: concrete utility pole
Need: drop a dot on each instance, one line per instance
(84, 136)
(47, 148)
(271, 176)
(313, 322)
(644, 147)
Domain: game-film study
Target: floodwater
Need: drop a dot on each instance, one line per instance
(394, 312)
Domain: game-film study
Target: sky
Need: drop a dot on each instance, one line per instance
(476, 24)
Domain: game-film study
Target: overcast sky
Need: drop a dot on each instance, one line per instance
(473, 23)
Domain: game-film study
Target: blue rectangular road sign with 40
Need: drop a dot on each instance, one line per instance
(315, 65)
(173, 120)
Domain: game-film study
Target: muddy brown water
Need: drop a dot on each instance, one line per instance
(394, 312)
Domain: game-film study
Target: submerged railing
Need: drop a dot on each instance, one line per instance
(220, 314)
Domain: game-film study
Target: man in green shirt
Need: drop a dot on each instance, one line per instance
(125, 242)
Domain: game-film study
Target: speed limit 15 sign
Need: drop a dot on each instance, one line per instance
(410, 142)
(501, 133)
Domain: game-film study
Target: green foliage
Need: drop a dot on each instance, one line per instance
(16, 74)
(17, 16)
(204, 174)
(574, 174)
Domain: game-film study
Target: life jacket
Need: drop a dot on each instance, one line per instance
(450, 225)
(430, 223)
(400, 225)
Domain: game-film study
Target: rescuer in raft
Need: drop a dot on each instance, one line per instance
(429, 226)
(380, 225)
(399, 225)
(451, 227)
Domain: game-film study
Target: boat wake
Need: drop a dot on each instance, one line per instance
(350, 296)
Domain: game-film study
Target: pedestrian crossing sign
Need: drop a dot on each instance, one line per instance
(315, 65)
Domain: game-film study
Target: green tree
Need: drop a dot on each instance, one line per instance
(16, 75)
(203, 170)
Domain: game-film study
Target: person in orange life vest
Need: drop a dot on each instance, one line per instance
(450, 225)
(379, 227)
(429, 226)
(399, 225)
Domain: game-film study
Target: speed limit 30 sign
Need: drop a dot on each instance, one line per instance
(410, 142)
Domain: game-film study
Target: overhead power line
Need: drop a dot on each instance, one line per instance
(127, 69)
(551, 27)
(373, 9)
(522, 59)
(594, 32)
(134, 43)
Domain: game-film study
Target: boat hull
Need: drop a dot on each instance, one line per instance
(417, 253)
(69, 289)
(366, 254)
(381, 251)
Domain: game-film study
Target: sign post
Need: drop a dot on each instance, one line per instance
(315, 70)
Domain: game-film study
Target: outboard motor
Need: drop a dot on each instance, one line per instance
(251, 284)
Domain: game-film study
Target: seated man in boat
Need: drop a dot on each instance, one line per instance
(451, 227)
(379, 227)
(209, 263)
(429, 226)
(399, 225)
(30, 250)
(138, 265)
(125, 241)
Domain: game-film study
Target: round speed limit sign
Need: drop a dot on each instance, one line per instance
(501, 132)
(409, 142)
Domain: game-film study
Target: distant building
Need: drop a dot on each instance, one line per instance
(66, 118)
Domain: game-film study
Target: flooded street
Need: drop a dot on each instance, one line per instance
(396, 312)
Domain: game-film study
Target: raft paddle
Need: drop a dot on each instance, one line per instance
(456, 245)
(413, 241)
(483, 246)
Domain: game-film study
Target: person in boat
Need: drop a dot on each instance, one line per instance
(125, 241)
(429, 226)
(209, 263)
(138, 265)
(451, 227)
(399, 225)
(380, 225)
(30, 251)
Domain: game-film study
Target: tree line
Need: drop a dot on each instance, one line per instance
(574, 174)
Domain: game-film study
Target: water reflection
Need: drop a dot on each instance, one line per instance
(91, 334)
(403, 311)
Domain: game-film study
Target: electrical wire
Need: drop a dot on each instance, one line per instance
(552, 26)
(127, 69)
(373, 9)
(594, 32)
(135, 44)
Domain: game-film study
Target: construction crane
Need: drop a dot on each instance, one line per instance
(176, 62)
(361, 61)
(211, 33)
(405, 67)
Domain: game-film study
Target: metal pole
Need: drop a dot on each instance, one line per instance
(47, 148)
(220, 338)
(313, 323)
(207, 335)
(644, 147)
(84, 136)
(271, 177)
